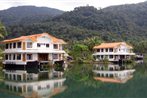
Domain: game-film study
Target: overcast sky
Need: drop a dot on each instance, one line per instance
(65, 5)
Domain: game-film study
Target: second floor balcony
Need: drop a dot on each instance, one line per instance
(113, 51)
(32, 47)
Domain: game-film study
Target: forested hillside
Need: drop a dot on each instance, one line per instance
(115, 23)
(27, 14)
(123, 20)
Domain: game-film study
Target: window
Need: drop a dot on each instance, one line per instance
(102, 56)
(19, 77)
(98, 50)
(29, 44)
(9, 56)
(47, 45)
(6, 56)
(111, 50)
(7, 46)
(55, 46)
(14, 77)
(111, 56)
(15, 89)
(29, 57)
(10, 77)
(106, 50)
(39, 87)
(20, 89)
(14, 45)
(6, 76)
(102, 50)
(7, 87)
(18, 44)
(10, 45)
(18, 56)
(30, 88)
(10, 87)
(13, 56)
(38, 45)
(48, 86)
(55, 56)
(98, 56)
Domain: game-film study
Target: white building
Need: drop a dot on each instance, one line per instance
(38, 47)
(113, 51)
(27, 57)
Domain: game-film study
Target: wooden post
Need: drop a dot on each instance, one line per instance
(24, 46)
(24, 57)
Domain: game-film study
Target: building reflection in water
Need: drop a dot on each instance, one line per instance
(112, 73)
(43, 88)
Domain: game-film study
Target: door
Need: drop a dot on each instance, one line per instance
(43, 57)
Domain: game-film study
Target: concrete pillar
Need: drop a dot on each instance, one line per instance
(50, 56)
(104, 75)
(21, 77)
(24, 89)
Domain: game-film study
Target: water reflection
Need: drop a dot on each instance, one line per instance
(46, 88)
(139, 61)
(116, 73)
(39, 88)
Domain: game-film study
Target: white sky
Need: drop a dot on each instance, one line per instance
(65, 5)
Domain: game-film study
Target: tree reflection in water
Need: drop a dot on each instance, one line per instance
(82, 73)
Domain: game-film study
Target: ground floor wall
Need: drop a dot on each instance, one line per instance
(21, 58)
(112, 57)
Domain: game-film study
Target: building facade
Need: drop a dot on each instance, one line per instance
(27, 58)
(113, 51)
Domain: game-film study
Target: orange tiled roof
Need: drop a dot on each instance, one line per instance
(34, 38)
(111, 45)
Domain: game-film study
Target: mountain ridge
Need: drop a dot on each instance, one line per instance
(114, 23)
(18, 14)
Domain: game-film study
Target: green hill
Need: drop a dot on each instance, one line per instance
(114, 23)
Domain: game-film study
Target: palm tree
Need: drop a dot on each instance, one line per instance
(91, 42)
(3, 31)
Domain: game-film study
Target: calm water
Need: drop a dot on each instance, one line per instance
(134, 88)
(4, 94)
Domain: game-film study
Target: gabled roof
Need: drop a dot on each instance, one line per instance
(34, 38)
(111, 45)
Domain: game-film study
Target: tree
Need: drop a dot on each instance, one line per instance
(79, 52)
(3, 31)
(91, 42)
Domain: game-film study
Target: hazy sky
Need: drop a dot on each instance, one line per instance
(65, 5)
